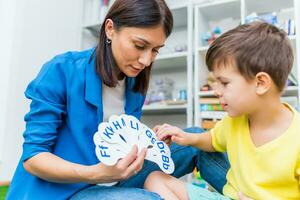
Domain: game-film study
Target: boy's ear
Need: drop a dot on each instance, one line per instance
(263, 83)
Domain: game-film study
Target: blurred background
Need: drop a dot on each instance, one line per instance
(34, 31)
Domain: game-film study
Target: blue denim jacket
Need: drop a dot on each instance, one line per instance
(66, 108)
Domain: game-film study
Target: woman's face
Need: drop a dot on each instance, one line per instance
(133, 48)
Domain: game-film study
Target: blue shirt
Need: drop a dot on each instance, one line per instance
(64, 114)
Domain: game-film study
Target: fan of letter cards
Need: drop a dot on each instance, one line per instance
(115, 139)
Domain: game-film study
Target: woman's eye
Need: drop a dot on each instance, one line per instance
(139, 47)
(224, 83)
(155, 50)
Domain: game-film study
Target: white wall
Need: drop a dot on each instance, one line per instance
(7, 16)
(41, 29)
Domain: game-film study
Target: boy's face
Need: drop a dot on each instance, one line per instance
(237, 94)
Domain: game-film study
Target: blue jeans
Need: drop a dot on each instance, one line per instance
(212, 166)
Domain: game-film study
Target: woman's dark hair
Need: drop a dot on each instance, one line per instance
(130, 13)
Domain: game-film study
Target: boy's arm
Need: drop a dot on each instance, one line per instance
(167, 132)
(298, 171)
(202, 141)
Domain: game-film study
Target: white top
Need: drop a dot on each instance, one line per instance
(113, 100)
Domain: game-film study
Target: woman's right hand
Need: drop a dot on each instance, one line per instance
(122, 170)
(52, 168)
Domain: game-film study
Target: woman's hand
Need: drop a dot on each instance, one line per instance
(168, 134)
(52, 168)
(122, 170)
(243, 197)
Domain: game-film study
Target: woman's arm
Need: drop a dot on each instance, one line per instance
(51, 168)
(202, 141)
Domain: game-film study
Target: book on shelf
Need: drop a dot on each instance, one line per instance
(209, 100)
(211, 107)
(213, 114)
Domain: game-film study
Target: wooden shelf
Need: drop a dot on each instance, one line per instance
(267, 6)
(213, 114)
(171, 60)
(206, 93)
(203, 49)
(290, 91)
(228, 8)
(171, 55)
(158, 108)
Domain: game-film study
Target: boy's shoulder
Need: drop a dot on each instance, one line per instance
(296, 121)
(232, 125)
(296, 117)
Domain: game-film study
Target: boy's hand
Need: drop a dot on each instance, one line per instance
(243, 197)
(170, 134)
(166, 140)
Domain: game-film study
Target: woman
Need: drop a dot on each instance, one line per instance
(76, 91)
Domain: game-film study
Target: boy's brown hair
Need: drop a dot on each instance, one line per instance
(255, 47)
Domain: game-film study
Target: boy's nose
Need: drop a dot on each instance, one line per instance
(218, 93)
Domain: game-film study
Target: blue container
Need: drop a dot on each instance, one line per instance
(182, 95)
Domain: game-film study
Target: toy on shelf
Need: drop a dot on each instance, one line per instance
(288, 25)
(208, 124)
(161, 90)
(208, 37)
(211, 82)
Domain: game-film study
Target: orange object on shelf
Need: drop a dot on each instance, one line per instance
(208, 124)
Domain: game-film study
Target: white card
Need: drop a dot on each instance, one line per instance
(107, 133)
(106, 153)
(98, 141)
(123, 126)
(158, 151)
(115, 139)
(132, 126)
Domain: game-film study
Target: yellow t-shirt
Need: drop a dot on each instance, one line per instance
(268, 172)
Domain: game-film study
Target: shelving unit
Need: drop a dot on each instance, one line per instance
(186, 66)
(93, 14)
(176, 65)
(171, 60)
(224, 14)
(227, 14)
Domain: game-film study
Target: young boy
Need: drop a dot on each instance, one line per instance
(251, 64)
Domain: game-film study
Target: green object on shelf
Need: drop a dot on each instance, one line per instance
(198, 175)
(3, 191)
